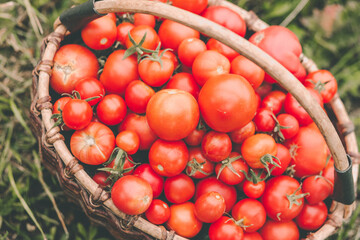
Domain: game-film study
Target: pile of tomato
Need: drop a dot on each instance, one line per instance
(190, 134)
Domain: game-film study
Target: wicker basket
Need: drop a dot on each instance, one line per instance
(98, 205)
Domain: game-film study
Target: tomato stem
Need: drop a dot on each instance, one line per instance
(293, 198)
(228, 163)
(269, 159)
(196, 166)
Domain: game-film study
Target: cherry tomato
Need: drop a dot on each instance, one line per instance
(289, 125)
(138, 32)
(250, 71)
(190, 5)
(284, 156)
(328, 171)
(225, 229)
(230, 169)
(77, 114)
(170, 55)
(318, 187)
(183, 220)
(158, 212)
(184, 81)
(156, 182)
(111, 110)
(253, 190)
(209, 207)
(94, 144)
(144, 19)
(128, 141)
(215, 45)
(172, 114)
(72, 63)
(252, 212)
(189, 49)
(312, 216)
(280, 231)
(132, 195)
(323, 81)
(123, 30)
(101, 178)
(58, 107)
(137, 96)
(126, 169)
(168, 158)
(198, 166)
(195, 137)
(216, 146)
(227, 102)
(154, 73)
(179, 188)
(90, 87)
(252, 236)
(239, 135)
(274, 101)
(264, 120)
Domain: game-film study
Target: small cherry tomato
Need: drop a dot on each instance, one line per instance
(225, 229)
(123, 30)
(156, 182)
(250, 71)
(90, 87)
(238, 136)
(138, 32)
(137, 96)
(144, 19)
(158, 212)
(324, 82)
(101, 178)
(318, 187)
(280, 231)
(111, 110)
(312, 216)
(198, 166)
(77, 114)
(215, 45)
(265, 120)
(179, 188)
(274, 101)
(289, 125)
(209, 207)
(189, 49)
(128, 141)
(216, 146)
(252, 212)
(231, 170)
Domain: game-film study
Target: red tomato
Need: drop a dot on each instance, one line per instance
(77, 114)
(168, 158)
(324, 82)
(227, 18)
(144, 19)
(230, 170)
(99, 34)
(111, 110)
(179, 188)
(274, 101)
(94, 144)
(119, 72)
(138, 32)
(90, 87)
(312, 216)
(283, 45)
(137, 96)
(225, 229)
(101, 178)
(123, 30)
(189, 49)
(139, 124)
(155, 74)
(215, 45)
(209, 207)
(58, 107)
(170, 55)
(209, 64)
(253, 190)
(257, 149)
(318, 187)
(158, 212)
(190, 5)
(328, 171)
(227, 102)
(252, 212)
(289, 126)
(172, 114)
(280, 231)
(211, 184)
(252, 236)
(172, 34)
(184, 81)
(308, 151)
(283, 154)
(264, 120)
(122, 170)
(239, 135)
(132, 195)
(250, 71)
(198, 166)
(72, 63)
(195, 137)
(216, 146)
(183, 220)
(283, 198)
(156, 182)
(128, 141)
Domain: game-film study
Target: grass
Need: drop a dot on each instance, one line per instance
(32, 205)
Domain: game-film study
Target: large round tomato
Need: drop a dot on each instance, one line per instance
(132, 195)
(318, 187)
(190, 5)
(111, 110)
(94, 144)
(77, 114)
(172, 114)
(280, 231)
(168, 158)
(179, 188)
(308, 151)
(252, 212)
(250, 71)
(209, 207)
(312, 216)
(72, 63)
(155, 180)
(119, 72)
(227, 102)
(183, 220)
(225, 229)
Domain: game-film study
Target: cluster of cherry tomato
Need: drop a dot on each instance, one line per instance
(191, 134)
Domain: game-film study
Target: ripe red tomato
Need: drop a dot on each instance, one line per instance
(123, 30)
(308, 151)
(198, 166)
(179, 188)
(283, 198)
(99, 34)
(72, 63)
(324, 82)
(318, 187)
(139, 124)
(211, 184)
(253, 190)
(239, 135)
(94, 144)
(216, 146)
(90, 87)
(172, 34)
(280, 231)
(195, 137)
(137, 33)
(172, 114)
(225, 229)
(312, 216)
(227, 18)
(168, 158)
(328, 171)
(183, 220)
(250, 71)
(101, 178)
(227, 102)
(230, 170)
(128, 141)
(209, 64)
(258, 147)
(190, 5)
(215, 45)
(284, 156)
(264, 120)
(156, 182)
(252, 236)
(77, 114)
(170, 55)
(111, 110)
(119, 72)
(209, 207)
(184, 81)
(126, 169)
(189, 49)
(144, 19)
(132, 195)
(158, 212)
(274, 101)
(137, 96)
(155, 74)
(58, 107)
(289, 125)
(252, 212)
